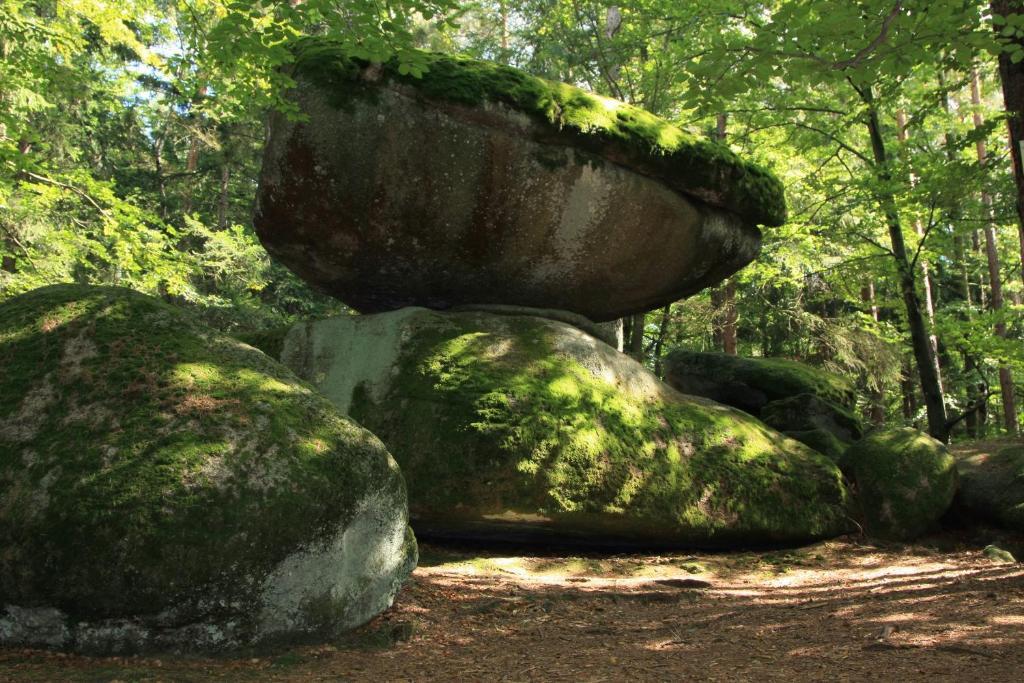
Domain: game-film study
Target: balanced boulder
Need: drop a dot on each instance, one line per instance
(992, 486)
(512, 426)
(162, 486)
(476, 183)
(905, 481)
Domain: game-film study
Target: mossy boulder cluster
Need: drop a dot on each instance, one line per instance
(163, 486)
(905, 481)
(812, 406)
(516, 426)
(992, 486)
(478, 183)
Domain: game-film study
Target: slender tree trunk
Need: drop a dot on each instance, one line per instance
(729, 318)
(876, 411)
(926, 278)
(659, 343)
(1012, 77)
(930, 386)
(994, 277)
(636, 338)
(222, 205)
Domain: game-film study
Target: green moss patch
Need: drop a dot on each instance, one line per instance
(620, 132)
(494, 422)
(905, 481)
(151, 466)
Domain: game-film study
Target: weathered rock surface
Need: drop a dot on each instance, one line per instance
(905, 481)
(751, 383)
(515, 426)
(480, 184)
(992, 486)
(162, 486)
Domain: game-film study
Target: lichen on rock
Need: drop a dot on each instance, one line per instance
(161, 485)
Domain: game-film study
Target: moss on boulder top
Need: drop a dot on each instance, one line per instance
(507, 426)
(162, 485)
(992, 486)
(622, 133)
(905, 481)
(751, 383)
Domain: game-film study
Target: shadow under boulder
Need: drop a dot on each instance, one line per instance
(166, 487)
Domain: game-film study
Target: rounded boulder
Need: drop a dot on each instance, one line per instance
(905, 481)
(164, 486)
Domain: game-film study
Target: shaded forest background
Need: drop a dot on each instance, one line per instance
(131, 137)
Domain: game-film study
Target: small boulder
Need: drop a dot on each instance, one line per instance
(992, 486)
(751, 383)
(515, 427)
(166, 487)
(905, 481)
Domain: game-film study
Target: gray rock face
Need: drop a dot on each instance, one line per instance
(522, 427)
(165, 487)
(394, 200)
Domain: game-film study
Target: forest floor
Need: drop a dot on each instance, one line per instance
(841, 610)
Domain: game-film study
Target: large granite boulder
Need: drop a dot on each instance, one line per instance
(751, 383)
(905, 481)
(992, 486)
(520, 427)
(162, 486)
(478, 183)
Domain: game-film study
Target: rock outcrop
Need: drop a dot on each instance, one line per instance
(905, 481)
(480, 184)
(162, 486)
(523, 427)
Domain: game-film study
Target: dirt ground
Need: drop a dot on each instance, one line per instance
(840, 610)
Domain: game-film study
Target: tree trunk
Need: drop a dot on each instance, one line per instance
(994, 278)
(876, 411)
(926, 278)
(636, 337)
(1012, 78)
(659, 343)
(930, 387)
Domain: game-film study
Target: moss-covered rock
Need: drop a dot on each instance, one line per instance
(905, 481)
(480, 184)
(821, 440)
(750, 383)
(992, 486)
(508, 426)
(805, 412)
(162, 486)
(622, 133)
